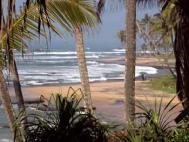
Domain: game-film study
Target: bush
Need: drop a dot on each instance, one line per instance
(66, 123)
(164, 83)
(155, 125)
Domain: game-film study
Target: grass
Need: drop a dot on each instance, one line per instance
(164, 83)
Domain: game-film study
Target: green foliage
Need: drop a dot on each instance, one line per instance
(65, 123)
(165, 83)
(181, 135)
(156, 35)
(73, 13)
(122, 36)
(22, 29)
(154, 124)
(26, 25)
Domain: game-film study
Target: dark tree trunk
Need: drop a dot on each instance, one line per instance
(181, 51)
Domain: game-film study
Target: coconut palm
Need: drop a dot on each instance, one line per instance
(83, 67)
(177, 17)
(12, 64)
(41, 4)
(15, 37)
(8, 40)
(87, 17)
(5, 97)
(130, 57)
(25, 27)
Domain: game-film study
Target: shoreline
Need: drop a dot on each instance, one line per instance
(107, 97)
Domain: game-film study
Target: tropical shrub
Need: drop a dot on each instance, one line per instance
(65, 122)
(155, 125)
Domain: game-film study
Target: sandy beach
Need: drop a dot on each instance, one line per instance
(108, 97)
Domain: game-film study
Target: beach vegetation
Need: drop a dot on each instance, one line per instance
(163, 83)
(157, 40)
(156, 124)
(65, 122)
(176, 16)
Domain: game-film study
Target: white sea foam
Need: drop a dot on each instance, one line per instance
(54, 53)
(119, 50)
(56, 57)
(92, 62)
(71, 53)
(97, 72)
(5, 140)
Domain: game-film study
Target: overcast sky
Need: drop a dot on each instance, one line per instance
(104, 37)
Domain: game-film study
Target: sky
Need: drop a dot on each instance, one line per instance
(104, 38)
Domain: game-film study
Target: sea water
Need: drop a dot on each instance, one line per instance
(4, 131)
(43, 68)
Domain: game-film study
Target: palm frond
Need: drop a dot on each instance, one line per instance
(109, 4)
(21, 32)
(73, 13)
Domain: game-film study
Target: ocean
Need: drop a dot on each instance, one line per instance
(4, 132)
(44, 68)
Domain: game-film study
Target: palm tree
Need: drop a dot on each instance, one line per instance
(15, 37)
(12, 64)
(83, 67)
(77, 23)
(177, 17)
(5, 96)
(130, 58)
(6, 101)
(181, 51)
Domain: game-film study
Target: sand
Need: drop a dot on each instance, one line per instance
(107, 97)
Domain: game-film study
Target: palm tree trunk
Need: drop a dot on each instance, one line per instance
(83, 68)
(130, 60)
(2, 16)
(4, 94)
(182, 60)
(12, 63)
(16, 83)
(6, 101)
